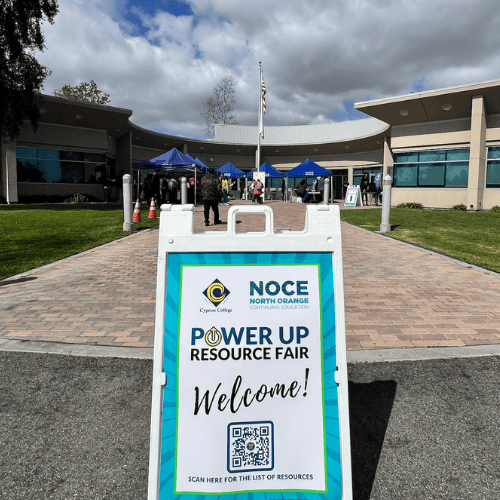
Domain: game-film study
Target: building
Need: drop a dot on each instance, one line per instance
(441, 147)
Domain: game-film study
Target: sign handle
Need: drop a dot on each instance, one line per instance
(267, 211)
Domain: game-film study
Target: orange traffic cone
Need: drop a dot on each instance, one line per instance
(137, 212)
(152, 210)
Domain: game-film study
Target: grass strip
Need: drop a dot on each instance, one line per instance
(472, 237)
(32, 236)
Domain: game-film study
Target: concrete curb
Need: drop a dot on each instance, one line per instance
(75, 349)
(365, 356)
(421, 353)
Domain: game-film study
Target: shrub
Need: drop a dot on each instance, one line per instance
(77, 198)
(460, 208)
(410, 205)
(496, 208)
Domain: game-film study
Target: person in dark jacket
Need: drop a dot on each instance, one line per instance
(212, 193)
(365, 187)
(302, 190)
(155, 188)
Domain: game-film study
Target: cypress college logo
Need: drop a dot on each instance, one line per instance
(216, 293)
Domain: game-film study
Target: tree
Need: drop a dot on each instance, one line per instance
(21, 76)
(86, 92)
(220, 107)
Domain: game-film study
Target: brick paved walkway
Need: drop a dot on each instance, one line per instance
(395, 295)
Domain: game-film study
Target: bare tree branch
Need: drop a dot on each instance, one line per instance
(220, 107)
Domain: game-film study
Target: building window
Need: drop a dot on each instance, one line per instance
(493, 168)
(52, 165)
(444, 168)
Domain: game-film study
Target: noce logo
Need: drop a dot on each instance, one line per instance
(216, 292)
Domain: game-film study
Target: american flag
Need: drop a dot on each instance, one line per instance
(263, 90)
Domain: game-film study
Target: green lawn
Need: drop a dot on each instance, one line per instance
(472, 237)
(31, 236)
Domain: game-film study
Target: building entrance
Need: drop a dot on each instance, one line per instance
(340, 182)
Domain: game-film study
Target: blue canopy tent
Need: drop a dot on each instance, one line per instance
(269, 170)
(173, 159)
(200, 163)
(308, 169)
(230, 170)
(197, 162)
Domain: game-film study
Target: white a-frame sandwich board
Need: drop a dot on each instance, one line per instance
(250, 393)
(352, 197)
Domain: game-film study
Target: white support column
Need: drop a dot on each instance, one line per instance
(326, 191)
(477, 160)
(183, 191)
(388, 166)
(385, 224)
(128, 225)
(8, 173)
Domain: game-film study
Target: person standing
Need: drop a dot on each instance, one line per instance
(257, 190)
(163, 189)
(378, 188)
(148, 190)
(302, 191)
(155, 188)
(191, 184)
(225, 189)
(364, 187)
(211, 193)
(250, 190)
(106, 185)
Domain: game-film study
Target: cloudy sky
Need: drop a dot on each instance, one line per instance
(162, 58)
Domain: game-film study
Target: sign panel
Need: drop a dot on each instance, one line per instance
(251, 401)
(352, 198)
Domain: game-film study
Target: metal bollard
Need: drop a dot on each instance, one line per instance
(128, 225)
(184, 191)
(385, 226)
(326, 191)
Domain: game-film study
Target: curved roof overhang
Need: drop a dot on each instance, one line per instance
(435, 105)
(116, 122)
(81, 114)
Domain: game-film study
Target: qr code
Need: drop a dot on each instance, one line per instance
(250, 446)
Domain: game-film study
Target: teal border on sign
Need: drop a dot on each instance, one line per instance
(175, 263)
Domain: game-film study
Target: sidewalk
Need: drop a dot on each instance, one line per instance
(78, 427)
(396, 295)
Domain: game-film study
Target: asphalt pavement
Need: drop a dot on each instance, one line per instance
(77, 427)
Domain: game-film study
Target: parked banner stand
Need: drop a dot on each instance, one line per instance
(352, 197)
(250, 393)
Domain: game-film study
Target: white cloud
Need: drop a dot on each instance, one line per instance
(315, 54)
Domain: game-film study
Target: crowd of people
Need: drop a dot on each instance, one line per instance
(212, 190)
(375, 187)
(165, 187)
(316, 192)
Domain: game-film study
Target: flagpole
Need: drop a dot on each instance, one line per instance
(259, 128)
